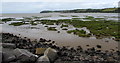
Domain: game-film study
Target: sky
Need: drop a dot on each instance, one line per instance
(36, 6)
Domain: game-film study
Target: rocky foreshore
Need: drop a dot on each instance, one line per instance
(15, 49)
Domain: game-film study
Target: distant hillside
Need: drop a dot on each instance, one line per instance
(105, 10)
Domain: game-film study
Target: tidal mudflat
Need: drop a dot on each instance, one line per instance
(60, 37)
(48, 26)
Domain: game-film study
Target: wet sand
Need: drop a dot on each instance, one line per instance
(62, 39)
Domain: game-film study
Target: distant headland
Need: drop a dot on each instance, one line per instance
(105, 10)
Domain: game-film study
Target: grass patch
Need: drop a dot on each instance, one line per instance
(90, 18)
(99, 18)
(64, 25)
(80, 33)
(7, 19)
(51, 29)
(48, 22)
(17, 23)
(74, 16)
(101, 28)
(64, 29)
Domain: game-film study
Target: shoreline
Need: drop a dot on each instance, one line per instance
(59, 54)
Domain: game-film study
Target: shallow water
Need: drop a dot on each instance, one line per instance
(54, 16)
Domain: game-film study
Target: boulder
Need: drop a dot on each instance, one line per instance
(51, 54)
(24, 55)
(98, 46)
(43, 59)
(7, 57)
(7, 54)
(40, 50)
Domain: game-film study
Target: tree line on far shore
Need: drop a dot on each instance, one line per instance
(105, 10)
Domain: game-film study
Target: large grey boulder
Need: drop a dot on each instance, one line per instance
(24, 55)
(51, 54)
(43, 59)
(6, 54)
(7, 57)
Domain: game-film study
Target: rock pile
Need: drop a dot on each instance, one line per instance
(16, 49)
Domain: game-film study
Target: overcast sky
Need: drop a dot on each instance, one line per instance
(35, 6)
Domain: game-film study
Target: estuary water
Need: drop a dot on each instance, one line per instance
(110, 16)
